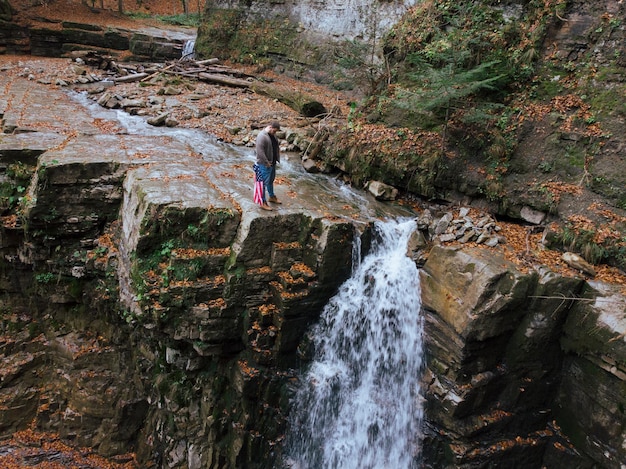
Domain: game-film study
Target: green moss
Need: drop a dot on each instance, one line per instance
(608, 101)
(190, 19)
(230, 33)
(194, 227)
(399, 157)
(217, 30)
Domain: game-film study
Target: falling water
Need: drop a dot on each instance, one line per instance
(359, 405)
(188, 50)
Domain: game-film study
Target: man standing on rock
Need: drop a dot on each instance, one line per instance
(267, 155)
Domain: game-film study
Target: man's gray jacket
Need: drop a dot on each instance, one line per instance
(265, 154)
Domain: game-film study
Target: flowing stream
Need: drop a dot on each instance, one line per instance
(358, 405)
(317, 188)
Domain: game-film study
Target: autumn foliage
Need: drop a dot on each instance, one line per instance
(32, 448)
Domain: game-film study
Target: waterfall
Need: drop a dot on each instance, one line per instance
(359, 405)
(188, 50)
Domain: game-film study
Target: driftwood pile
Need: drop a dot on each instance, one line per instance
(209, 71)
(204, 70)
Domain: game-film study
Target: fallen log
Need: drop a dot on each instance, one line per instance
(304, 104)
(230, 71)
(130, 78)
(223, 80)
(206, 62)
(184, 73)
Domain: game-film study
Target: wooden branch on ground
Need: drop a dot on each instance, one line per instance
(206, 62)
(195, 72)
(131, 78)
(223, 80)
(159, 71)
(302, 103)
(230, 71)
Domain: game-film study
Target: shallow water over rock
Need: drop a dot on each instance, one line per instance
(229, 168)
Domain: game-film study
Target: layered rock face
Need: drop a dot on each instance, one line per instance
(59, 38)
(148, 304)
(308, 34)
(524, 369)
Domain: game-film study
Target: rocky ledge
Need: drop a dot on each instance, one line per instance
(144, 260)
(149, 306)
(58, 37)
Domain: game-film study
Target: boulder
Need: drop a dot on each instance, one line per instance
(476, 291)
(590, 403)
(531, 215)
(382, 191)
(577, 262)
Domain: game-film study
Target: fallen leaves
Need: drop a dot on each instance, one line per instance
(393, 140)
(10, 221)
(188, 253)
(246, 369)
(32, 448)
(606, 213)
(106, 126)
(576, 114)
(525, 248)
(558, 188)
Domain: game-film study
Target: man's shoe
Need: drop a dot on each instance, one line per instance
(274, 200)
(266, 207)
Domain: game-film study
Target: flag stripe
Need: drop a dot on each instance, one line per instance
(258, 192)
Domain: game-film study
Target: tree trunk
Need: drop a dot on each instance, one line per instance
(223, 80)
(304, 104)
(120, 6)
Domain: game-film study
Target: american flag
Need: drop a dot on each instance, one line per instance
(258, 187)
(258, 192)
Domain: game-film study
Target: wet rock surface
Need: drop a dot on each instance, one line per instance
(173, 307)
(511, 361)
(145, 243)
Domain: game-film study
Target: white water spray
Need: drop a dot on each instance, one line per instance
(359, 404)
(189, 50)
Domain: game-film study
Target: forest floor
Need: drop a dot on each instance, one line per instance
(88, 11)
(235, 107)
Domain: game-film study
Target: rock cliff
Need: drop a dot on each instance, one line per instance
(148, 307)
(524, 369)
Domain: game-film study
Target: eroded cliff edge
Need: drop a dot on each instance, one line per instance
(526, 369)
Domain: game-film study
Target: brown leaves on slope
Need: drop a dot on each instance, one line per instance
(558, 188)
(31, 448)
(525, 248)
(394, 140)
(577, 114)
